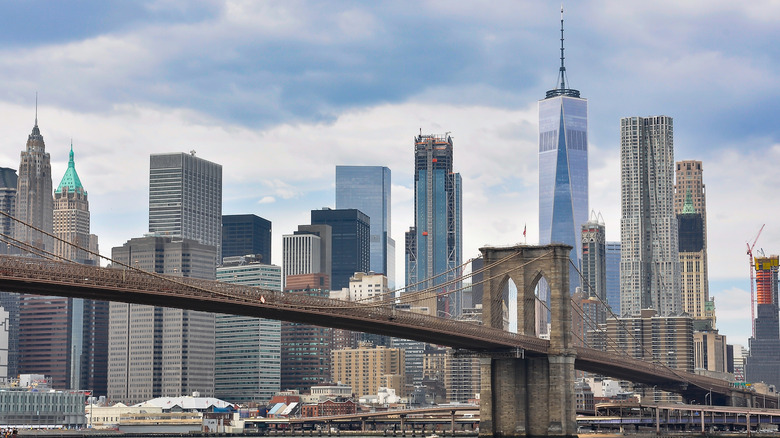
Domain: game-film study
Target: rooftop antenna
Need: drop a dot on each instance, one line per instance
(562, 72)
(36, 108)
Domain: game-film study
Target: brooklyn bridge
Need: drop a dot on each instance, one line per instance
(516, 368)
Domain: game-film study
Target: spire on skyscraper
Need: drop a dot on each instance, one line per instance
(688, 206)
(562, 71)
(71, 178)
(562, 90)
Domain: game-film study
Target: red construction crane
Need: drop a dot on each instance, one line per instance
(753, 281)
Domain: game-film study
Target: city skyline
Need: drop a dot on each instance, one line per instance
(135, 98)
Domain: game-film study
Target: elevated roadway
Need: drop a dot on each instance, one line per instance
(44, 277)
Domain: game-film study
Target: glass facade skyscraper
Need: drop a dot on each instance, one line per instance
(248, 350)
(350, 243)
(563, 169)
(367, 188)
(245, 234)
(434, 245)
(613, 276)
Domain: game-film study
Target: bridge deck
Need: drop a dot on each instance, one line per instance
(44, 277)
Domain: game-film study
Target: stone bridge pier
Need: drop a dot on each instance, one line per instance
(528, 396)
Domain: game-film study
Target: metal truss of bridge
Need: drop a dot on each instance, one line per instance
(522, 264)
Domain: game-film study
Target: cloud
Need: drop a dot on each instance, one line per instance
(279, 92)
(732, 307)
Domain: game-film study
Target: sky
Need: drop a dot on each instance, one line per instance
(280, 92)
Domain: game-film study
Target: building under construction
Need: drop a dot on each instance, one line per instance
(434, 245)
(763, 363)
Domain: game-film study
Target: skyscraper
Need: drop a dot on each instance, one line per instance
(563, 169)
(9, 301)
(690, 207)
(594, 257)
(247, 366)
(185, 198)
(245, 234)
(693, 279)
(8, 186)
(649, 263)
(71, 218)
(34, 201)
(763, 362)
(159, 351)
(67, 338)
(305, 351)
(434, 245)
(613, 276)
(367, 188)
(594, 273)
(307, 251)
(350, 242)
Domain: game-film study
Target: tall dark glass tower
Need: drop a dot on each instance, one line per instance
(350, 243)
(563, 168)
(434, 245)
(244, 234)
(367, 188)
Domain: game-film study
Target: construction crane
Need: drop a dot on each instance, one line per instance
(753, 281)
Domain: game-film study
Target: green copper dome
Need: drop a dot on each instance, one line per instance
(688, 205)
(71, 179)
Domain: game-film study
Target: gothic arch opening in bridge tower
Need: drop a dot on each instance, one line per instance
(525, 267)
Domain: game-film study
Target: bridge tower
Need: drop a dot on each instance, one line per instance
(529, 396)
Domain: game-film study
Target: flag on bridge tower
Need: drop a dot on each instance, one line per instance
(524, 228)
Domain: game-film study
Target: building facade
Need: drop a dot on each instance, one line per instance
(710, 352)
(763, 362)
(67, 338)
(563, 171)
(308, 251)
(71, 218)
(34, 201)
(666, 340)
(613, 276)
(434, 245)
(366, 368)
(367, 188)
(305, 348)
(693, 266)
(690, 196)
(245, 234)
(8, 186)
(159, 351)
(462, 377)
(350, 243)
(649, 263)
(594, 258)
(5, 323)
(248, 361)
(185, 198)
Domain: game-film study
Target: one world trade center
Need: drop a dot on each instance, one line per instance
(563, 170)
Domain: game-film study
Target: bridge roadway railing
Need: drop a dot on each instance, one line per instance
(45, 277)
(31, 275)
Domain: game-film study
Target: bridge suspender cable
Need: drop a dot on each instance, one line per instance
(625, 329)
